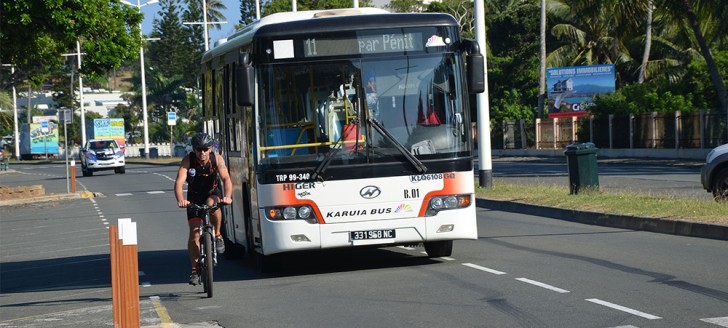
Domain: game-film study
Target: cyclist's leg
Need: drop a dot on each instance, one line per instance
(216, 220)
(216, 216)
(193, 240)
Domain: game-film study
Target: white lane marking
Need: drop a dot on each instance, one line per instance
(124, 194)
(627, 326)
(155, 192)
(208, 307)
(540, 284)
(478, 267)
(407, 248)
(623, 309)
(146, 284)
(723, 322)
(447, 258)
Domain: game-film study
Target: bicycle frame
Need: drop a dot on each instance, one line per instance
(207, 247)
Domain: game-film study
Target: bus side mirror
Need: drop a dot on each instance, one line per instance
(475, 66)
(245, 80)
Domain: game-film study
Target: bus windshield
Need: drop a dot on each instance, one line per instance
(309, 109)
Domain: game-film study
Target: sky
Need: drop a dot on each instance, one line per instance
(232, 14)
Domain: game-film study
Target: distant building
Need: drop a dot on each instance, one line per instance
(94, 100)
(563, 85)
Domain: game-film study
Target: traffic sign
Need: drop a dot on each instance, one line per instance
(171, 118)
(44, 126)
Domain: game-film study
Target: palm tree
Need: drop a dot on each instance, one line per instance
(593, 31)
(648, 40)
(704, 47)
(215, 9)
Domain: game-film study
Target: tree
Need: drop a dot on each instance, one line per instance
(247, 12)
(276, 6)
(36, 33)
(705, 51)
(405, 6)
(169, 55)
(462, 10)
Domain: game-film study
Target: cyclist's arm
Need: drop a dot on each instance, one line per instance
(227, 183)
(180, 181)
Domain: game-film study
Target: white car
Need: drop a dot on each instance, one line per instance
(714, 174)
(102, 154)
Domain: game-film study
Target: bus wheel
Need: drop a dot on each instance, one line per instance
(438, 248)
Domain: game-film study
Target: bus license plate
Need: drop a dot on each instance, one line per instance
(373, 234)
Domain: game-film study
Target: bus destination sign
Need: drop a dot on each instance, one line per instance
(363, 44)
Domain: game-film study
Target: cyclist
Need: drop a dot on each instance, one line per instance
(201, 169)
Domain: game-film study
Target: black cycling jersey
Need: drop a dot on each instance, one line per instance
(202, 179)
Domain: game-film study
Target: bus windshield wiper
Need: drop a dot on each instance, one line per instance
(327, 159)
(421, 168)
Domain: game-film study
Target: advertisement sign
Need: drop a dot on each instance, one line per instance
(571, 89)
(44, 141)
(110, 128)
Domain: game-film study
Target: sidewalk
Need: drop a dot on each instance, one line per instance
(56, 188)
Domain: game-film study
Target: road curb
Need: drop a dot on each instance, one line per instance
(659, 225)
(49, 198)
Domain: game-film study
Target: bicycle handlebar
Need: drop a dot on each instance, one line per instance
(205, 207)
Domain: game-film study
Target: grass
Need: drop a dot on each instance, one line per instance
(612, 202)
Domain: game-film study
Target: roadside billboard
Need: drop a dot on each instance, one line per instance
(571, 89)
(112, 128)
(42, 139)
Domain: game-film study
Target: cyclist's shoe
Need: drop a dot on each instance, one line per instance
(194, 278)
(219, 244)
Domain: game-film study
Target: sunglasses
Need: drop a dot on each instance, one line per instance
(201, 150)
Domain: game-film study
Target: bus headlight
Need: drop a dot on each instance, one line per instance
(289, 213)
(447, 202)
(304, 212)
(301, 212)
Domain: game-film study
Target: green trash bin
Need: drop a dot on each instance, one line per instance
(582, 163)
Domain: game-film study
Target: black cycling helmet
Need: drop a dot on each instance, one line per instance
(202, 139)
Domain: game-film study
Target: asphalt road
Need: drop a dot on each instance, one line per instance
(522, 271)
(679, 178)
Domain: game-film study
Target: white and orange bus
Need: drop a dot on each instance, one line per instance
(345, 128)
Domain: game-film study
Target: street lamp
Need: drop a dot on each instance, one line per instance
(144, 84)
(204, 23)
(16, 136)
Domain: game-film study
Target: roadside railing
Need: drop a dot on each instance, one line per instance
(646, 131)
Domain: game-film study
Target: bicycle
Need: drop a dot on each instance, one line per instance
(207, 259)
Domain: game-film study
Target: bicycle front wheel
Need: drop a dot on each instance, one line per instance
(209, 265)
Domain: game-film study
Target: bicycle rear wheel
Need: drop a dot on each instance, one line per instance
(209, 265)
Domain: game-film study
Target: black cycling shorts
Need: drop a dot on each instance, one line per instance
(193, 213)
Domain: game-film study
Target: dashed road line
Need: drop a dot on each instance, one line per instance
(124, 194)
(542, 285)
(481, 268)
(155, 192)
(623, 309)
(723, 321)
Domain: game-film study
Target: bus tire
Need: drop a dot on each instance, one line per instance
(438, 248)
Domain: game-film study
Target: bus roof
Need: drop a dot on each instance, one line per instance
(280, 24)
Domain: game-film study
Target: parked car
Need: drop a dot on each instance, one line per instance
(102, 154)
(714, 174)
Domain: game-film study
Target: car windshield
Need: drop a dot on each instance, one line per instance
(101, 145)
(309, 110)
